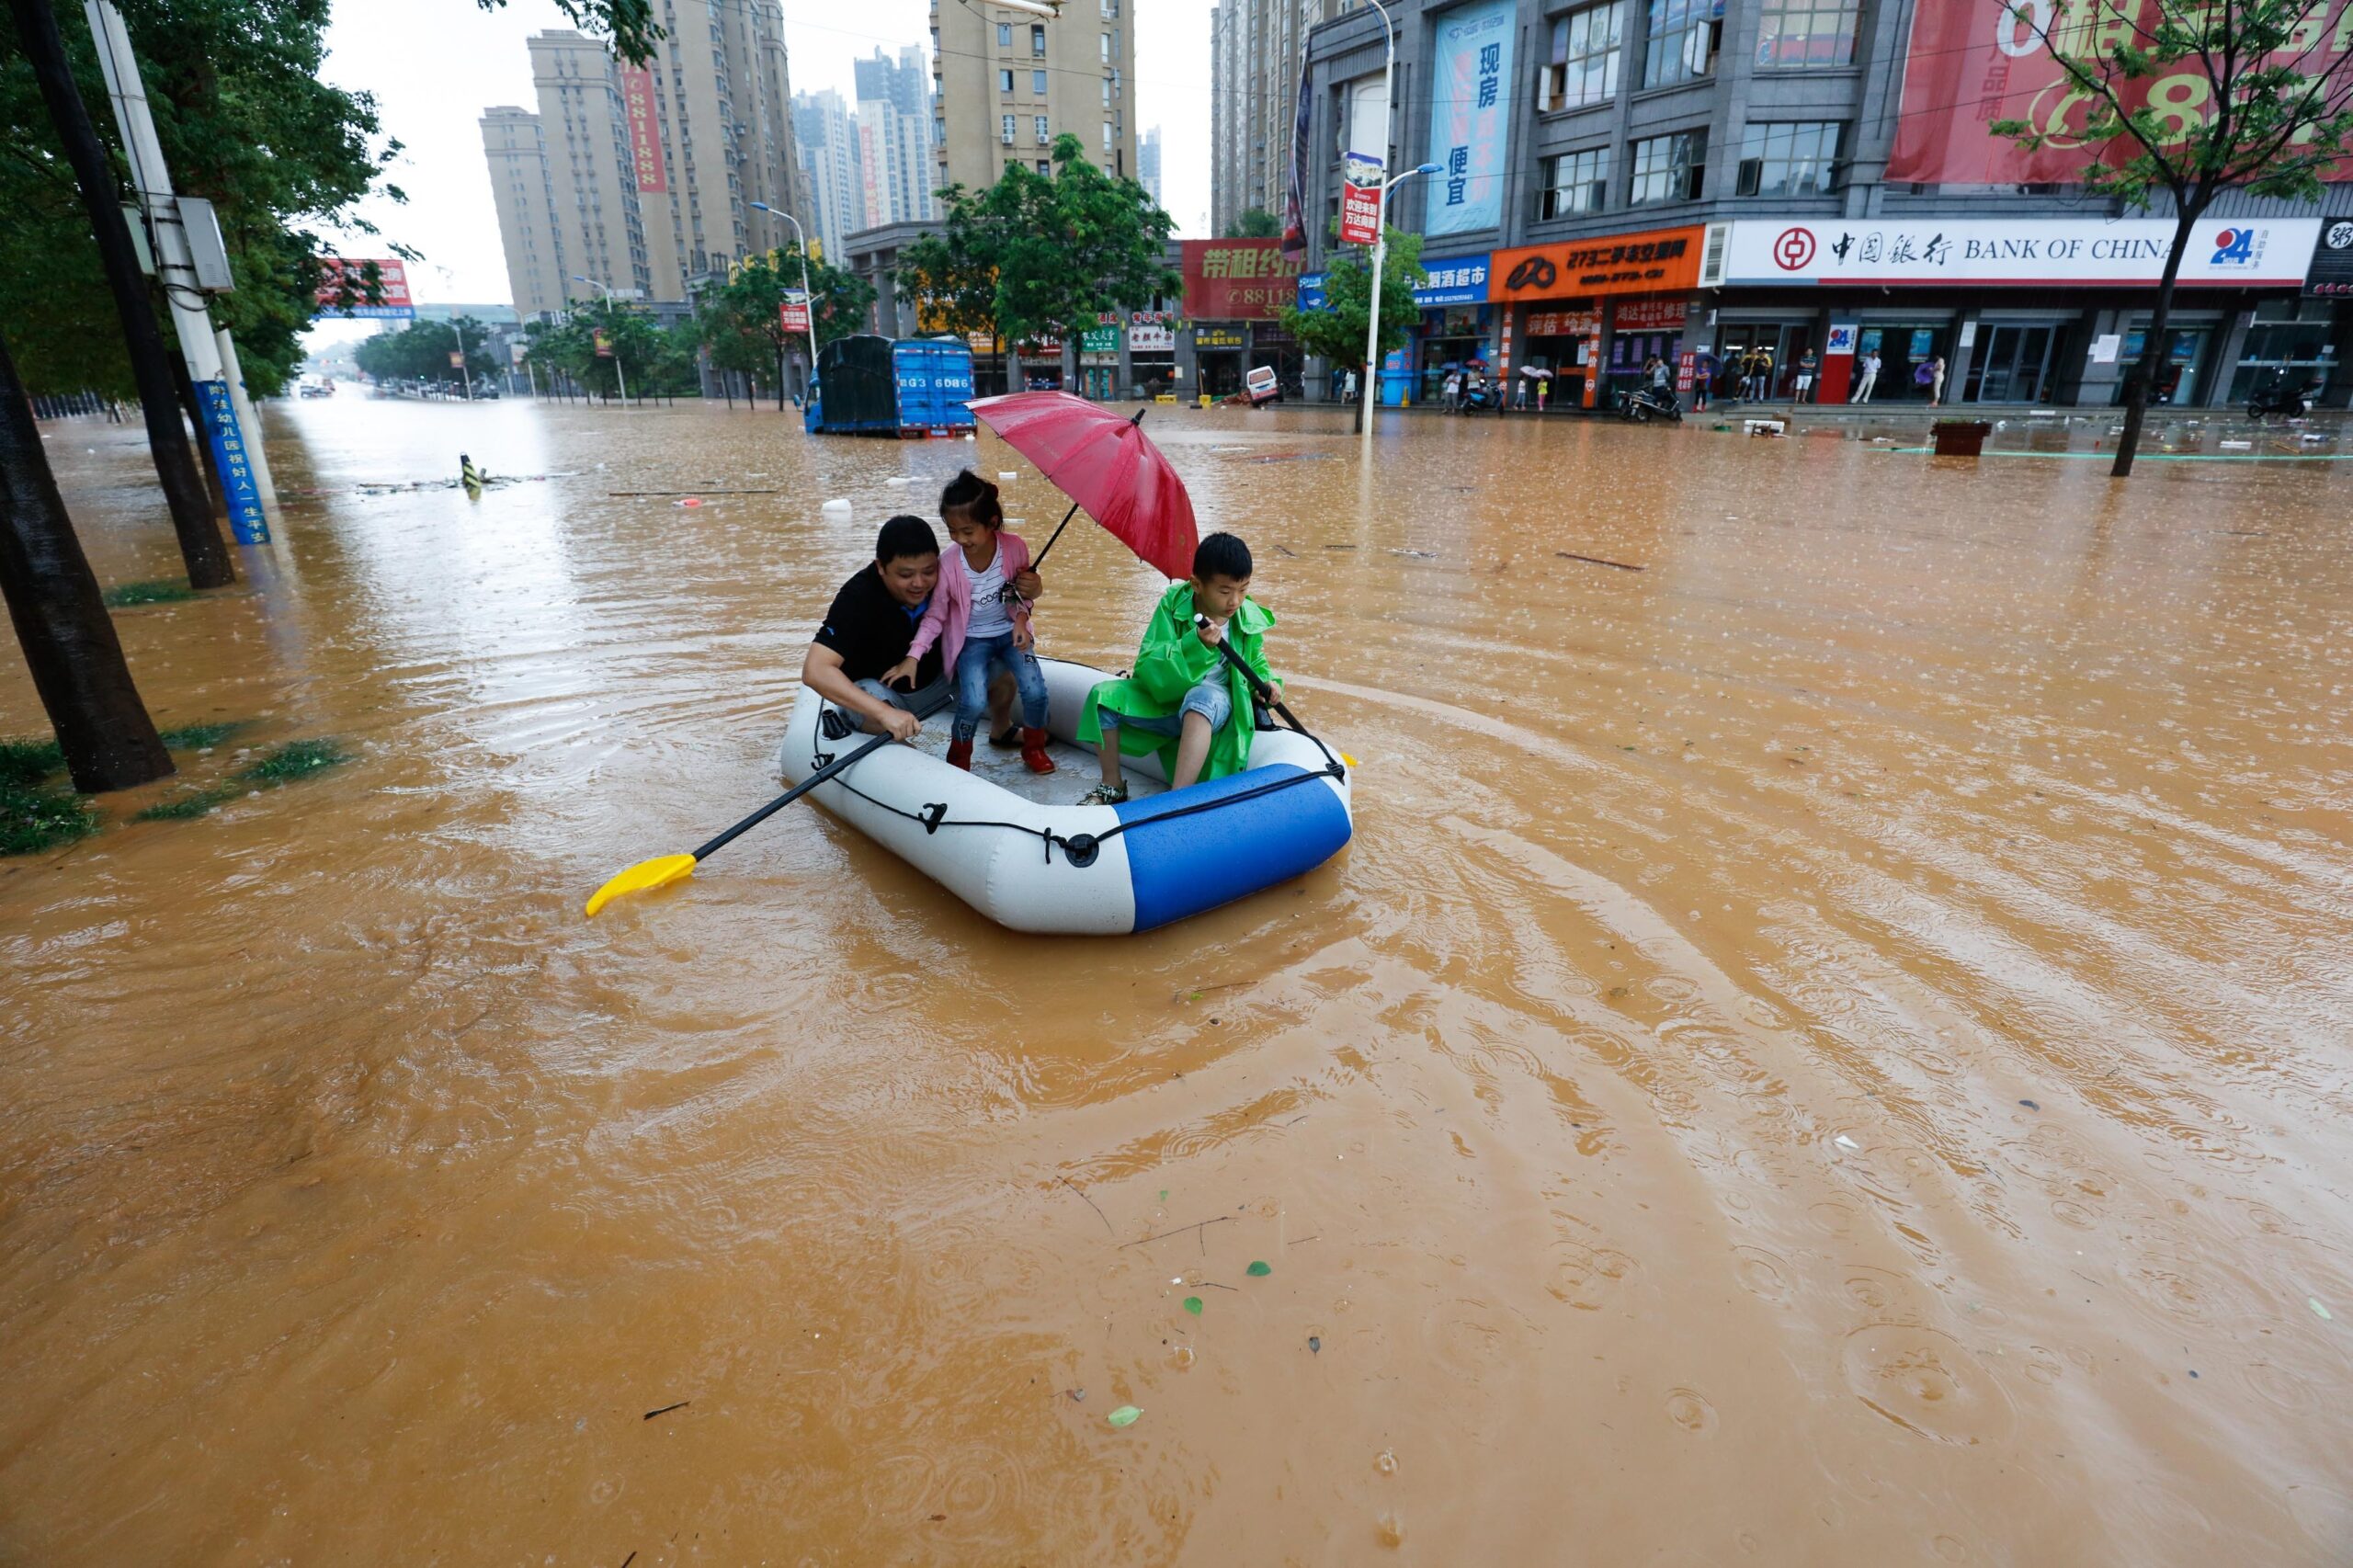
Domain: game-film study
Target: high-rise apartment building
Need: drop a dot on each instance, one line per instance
(1257, 48)
(827, 135)
(1010, 83)
(521, 185)
(1148, 165)
(643, 177)
(894, 134)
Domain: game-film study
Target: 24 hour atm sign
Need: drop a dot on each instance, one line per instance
(2224, 252)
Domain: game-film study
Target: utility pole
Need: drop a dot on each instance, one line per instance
(208, 561)
(176, 267)
(462, 370)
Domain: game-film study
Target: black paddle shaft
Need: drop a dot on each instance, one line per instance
(749, 823)
(1265, 692)
(1041, 555)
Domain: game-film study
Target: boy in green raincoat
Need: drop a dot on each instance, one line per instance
(1183, 700)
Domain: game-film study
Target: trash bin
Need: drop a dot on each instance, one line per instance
(1961, 437)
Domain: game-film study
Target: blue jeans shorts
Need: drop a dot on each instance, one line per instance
(1209, 698)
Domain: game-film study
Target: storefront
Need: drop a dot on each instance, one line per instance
(2048, 311)
(2290, 344)
(1218, 350)
(1457, 329)
(1553, 298)
(1235, 292)
(1152, 352)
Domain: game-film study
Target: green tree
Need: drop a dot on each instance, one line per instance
(420, 352)
(749, 309)
(1335, 331)
(953, 274)
(2266, 107)
(1254, 224)
(1074, 246)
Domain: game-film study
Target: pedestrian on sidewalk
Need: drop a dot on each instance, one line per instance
(1704, 369)
(1454, 392)
(1348, 388)
(1543, 391)
(1520, 395)
(1806, 365)
(1869, 377)
(1932, 375)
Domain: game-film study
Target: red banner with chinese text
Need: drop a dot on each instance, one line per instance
(644, 129)
(1975, 61)
(1238, 280)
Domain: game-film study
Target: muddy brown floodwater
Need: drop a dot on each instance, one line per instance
(1830, 1048)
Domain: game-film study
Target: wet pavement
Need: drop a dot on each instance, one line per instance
(1828, 1046)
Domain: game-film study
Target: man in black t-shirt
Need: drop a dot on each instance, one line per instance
(872, 621)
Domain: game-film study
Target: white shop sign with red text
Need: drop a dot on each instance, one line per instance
(2224, 252)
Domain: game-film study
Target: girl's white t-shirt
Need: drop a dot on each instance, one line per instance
(989, 616)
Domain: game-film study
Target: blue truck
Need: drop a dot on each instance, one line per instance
(868, 385)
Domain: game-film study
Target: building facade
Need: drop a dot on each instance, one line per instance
(1257, 50)
(644, 175)
(896, 130)
(1148, 166)
(1812, 179)
(826, 136)
(1010, 83)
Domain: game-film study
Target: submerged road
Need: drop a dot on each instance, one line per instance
(1830, 1048)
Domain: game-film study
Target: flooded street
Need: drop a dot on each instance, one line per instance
(1830, 1048)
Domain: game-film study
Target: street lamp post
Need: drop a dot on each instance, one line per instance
(618, 373)
(462, 370)
(1372, 316)
(808, 301)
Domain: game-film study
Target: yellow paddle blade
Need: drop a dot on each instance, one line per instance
(1347, 758)
(658, 872)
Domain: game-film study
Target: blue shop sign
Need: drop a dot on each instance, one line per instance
(1453, 280)
(1310, 291)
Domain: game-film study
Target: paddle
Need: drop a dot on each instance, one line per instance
(664, 870)
(1266, 693)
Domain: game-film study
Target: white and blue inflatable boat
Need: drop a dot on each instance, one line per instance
(1009, 843)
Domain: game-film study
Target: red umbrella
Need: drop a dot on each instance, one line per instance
(1105, 465)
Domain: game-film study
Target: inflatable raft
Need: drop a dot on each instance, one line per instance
(1010, 843)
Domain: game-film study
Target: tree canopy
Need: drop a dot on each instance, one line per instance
(1334, 331)
(1254, 224)
(653, 360)
(244, 121)
(2189, 100)
(420, 352)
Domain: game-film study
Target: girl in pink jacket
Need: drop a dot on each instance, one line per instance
(980, 616)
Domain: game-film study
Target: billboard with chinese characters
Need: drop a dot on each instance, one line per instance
(1238, 280)
(1972, 63)
(2041, 252)
(1470, 74)
(1360, 201)
(644, 129)
(2331, 277)
(338, 274)
(1453, 280)
(1653, 261)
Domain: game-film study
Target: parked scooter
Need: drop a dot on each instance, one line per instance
(1643, 405)
(1481, 395)
(2280, 399)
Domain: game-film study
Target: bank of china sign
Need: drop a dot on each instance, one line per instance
(2226, 252)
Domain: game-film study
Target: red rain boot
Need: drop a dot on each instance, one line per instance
(959, 755)
(1033, 751)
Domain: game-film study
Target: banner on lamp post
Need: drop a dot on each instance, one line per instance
(604, 345)
(1361, 201)
(794, 314)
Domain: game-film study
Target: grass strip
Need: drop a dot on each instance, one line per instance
(163, 591)
(26, 762)
(196, 737)
(33, 819)
(295, 759)
(189, 803)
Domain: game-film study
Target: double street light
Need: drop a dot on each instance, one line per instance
(808, 299)
(620, 375)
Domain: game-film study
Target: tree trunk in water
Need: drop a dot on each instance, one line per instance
(1361, 380)
(779, 378)
(2154, 351)
(206, 557)
(61, 622)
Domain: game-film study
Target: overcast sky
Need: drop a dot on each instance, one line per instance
(434, 65)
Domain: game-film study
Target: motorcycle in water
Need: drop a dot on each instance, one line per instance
(1646, 403)
(2290, 403)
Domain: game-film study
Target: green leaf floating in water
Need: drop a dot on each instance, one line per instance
(1124, 1416)
(1260, 1269)
(1193, 1305)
